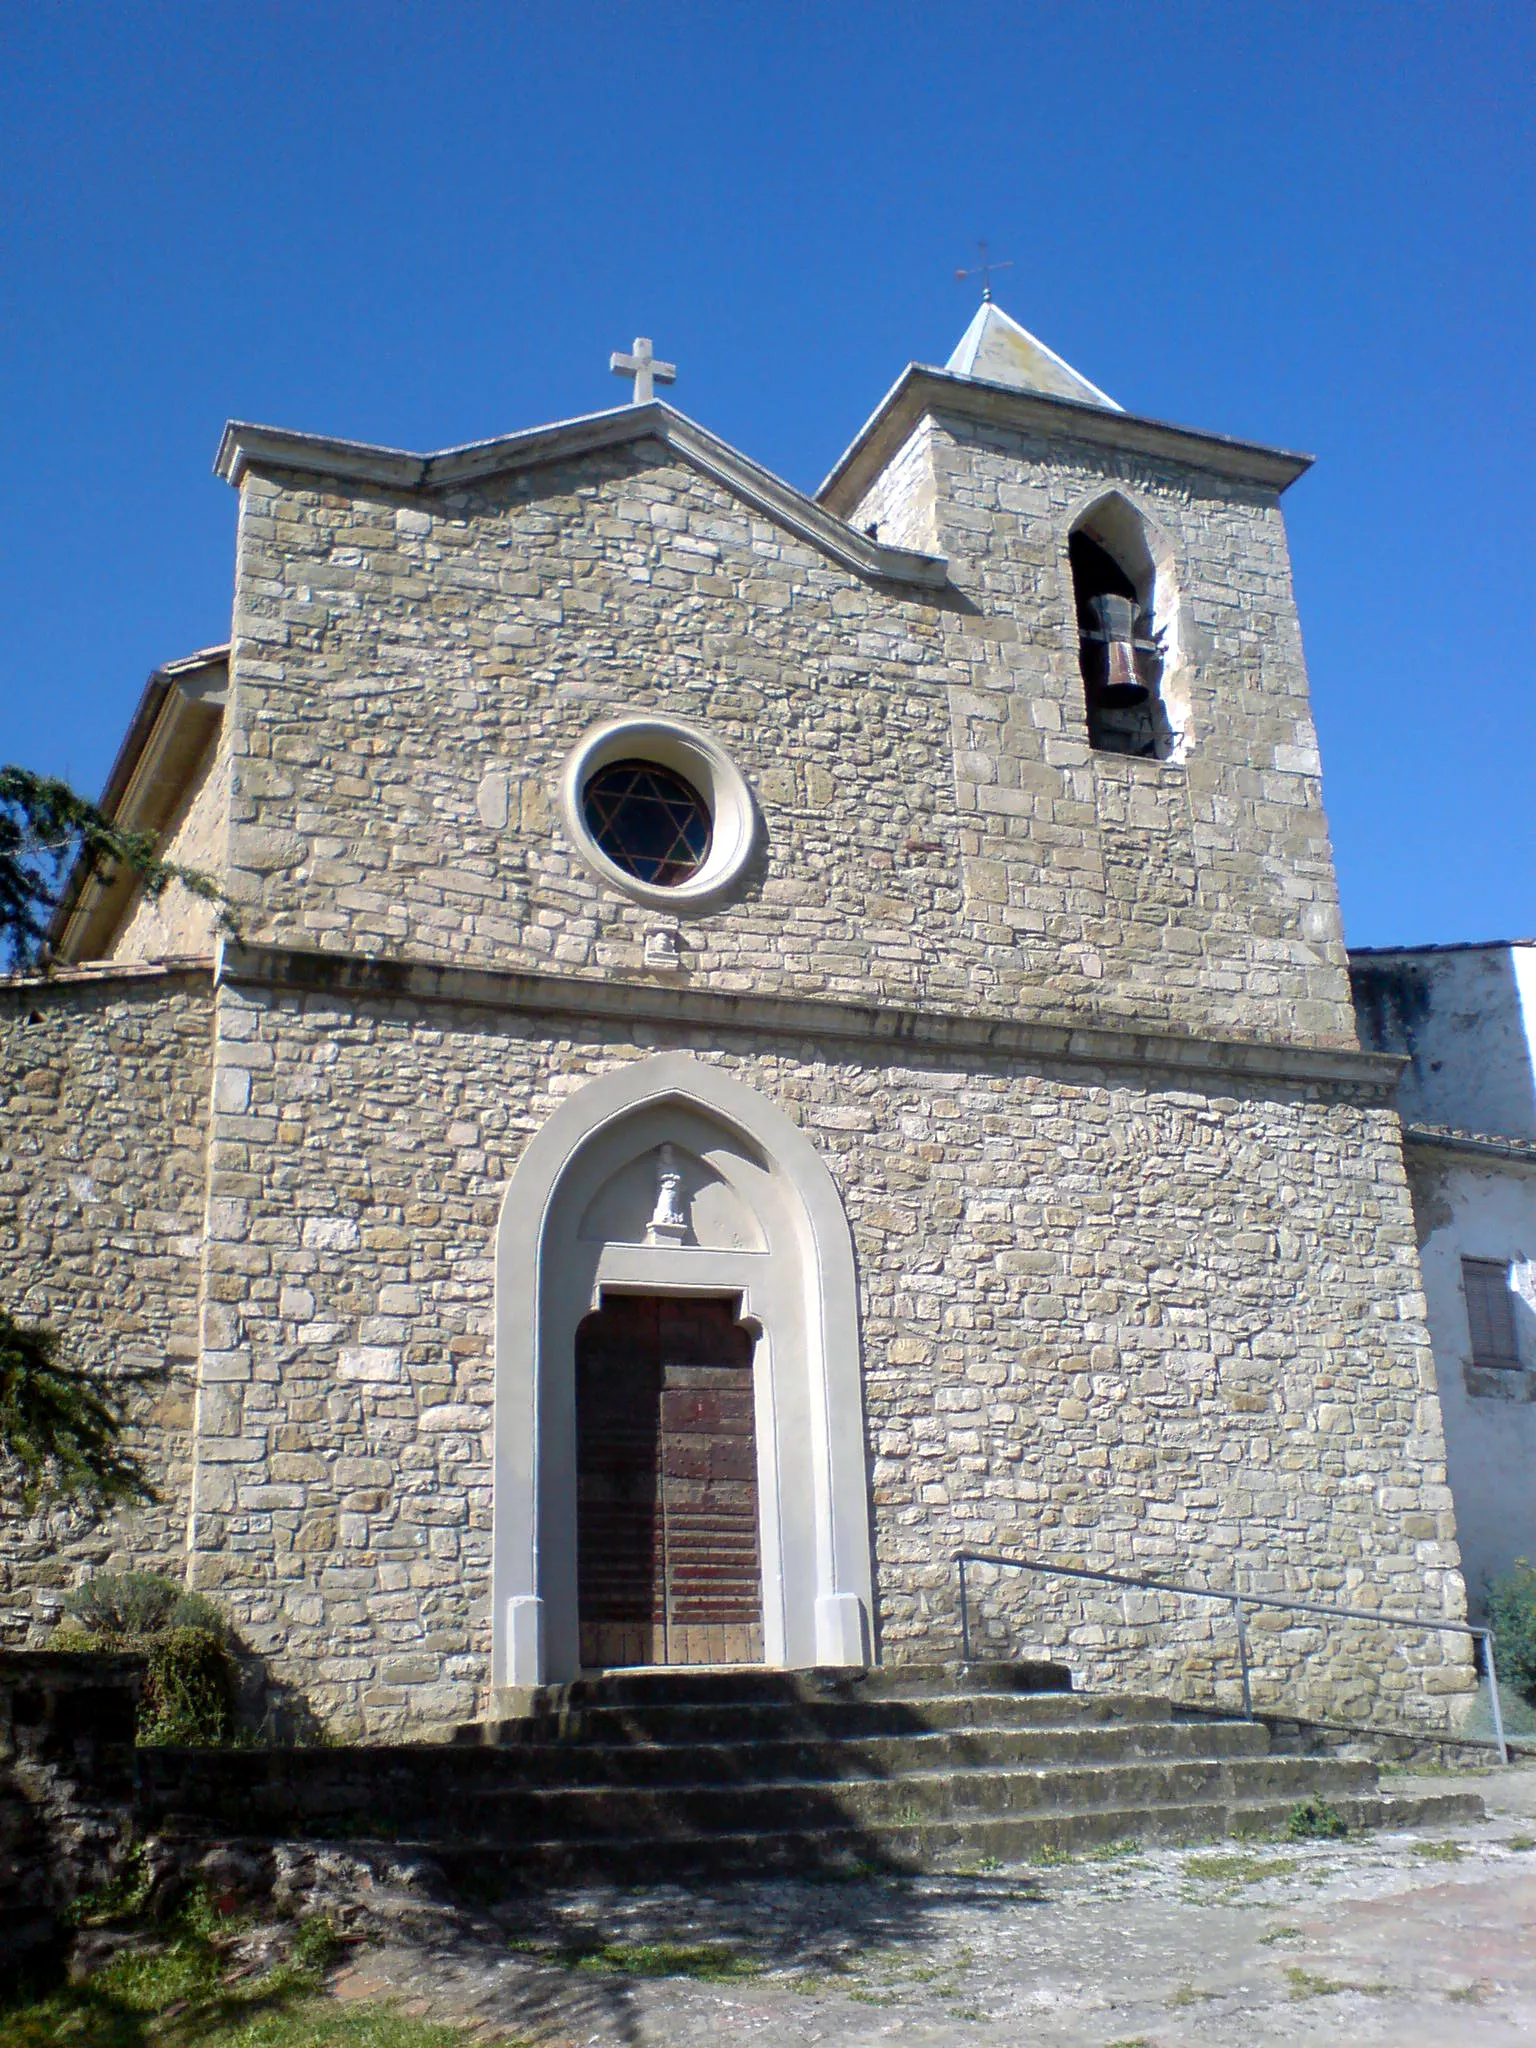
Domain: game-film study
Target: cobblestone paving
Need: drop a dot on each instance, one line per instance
(1407, 1939)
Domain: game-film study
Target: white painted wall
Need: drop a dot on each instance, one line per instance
(1482, 1211)
(1466, 1017)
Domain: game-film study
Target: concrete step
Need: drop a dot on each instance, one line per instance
(853, 1719)
(636, 1776)
(884, 1756)
(584, 1812)
(752, 1684)
(449, 1788)
(396, 1801)
(491, 1862)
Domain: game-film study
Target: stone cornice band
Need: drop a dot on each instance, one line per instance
(308, 971)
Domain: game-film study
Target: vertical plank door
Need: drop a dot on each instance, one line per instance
(668, 1566)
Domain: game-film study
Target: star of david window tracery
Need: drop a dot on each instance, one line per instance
(648, 820)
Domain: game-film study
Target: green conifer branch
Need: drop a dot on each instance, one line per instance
(61, 1424)
(45, 828)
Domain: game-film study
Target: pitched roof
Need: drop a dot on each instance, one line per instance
(995, 349)
(178, 715)
(920, 390)
(245, 446)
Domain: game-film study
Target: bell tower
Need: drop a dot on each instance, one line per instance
(1144, 836)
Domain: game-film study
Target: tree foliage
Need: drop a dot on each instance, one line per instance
(61, 1424)
(1512, 1614)
(44, 829)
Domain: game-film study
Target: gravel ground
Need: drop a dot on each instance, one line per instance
(1407, 1939)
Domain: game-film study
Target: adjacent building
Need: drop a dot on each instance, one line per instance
(1465, 1017)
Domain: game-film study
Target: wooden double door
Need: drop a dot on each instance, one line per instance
(668, 1567)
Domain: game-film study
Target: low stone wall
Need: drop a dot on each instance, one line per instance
(67, 1781)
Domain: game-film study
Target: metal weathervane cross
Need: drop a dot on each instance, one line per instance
(983, 270)
(641, 364)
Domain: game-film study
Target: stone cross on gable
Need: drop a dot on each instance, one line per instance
(644, 368)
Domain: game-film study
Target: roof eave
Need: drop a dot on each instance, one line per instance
(922, 389)
(166, 709)
(245, 447)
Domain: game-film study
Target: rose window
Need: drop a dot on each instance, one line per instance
(648, 820)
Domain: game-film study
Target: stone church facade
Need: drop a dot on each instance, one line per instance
(771, 1040)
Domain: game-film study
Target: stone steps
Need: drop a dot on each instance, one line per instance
(905, 1848)
(836, 1757)
(685, 1774)
(836, 1720)
(751, 1684)
(627, 1812)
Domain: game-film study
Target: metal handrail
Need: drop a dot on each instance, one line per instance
(1238, 1602)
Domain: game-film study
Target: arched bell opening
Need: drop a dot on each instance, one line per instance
(1127, 649)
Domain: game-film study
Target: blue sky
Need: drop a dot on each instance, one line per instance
(1303, 224)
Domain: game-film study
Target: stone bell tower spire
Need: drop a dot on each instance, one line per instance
(995, 349)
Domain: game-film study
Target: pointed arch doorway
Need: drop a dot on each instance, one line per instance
(668, 1182)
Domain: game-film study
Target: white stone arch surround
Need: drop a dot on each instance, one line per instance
(791, 1261)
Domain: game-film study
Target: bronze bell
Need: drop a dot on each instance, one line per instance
(1112, 625)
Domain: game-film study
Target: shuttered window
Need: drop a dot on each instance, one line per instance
(1490, 1312)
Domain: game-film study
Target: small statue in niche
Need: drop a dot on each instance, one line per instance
(669, 1222)
(664, 946)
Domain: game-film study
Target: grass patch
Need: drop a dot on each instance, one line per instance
(1314, 1820)
(1112, 1852)
(832, 1976)
(942, 1979)
(1521, 1842)
(313, 2022)
(1308, 1984)
(1279, 1934)
(1188, 1995)
(711, 1962)
(1470, 1994)
(1439, 1852)
(124, 1897)
(188, 1988)
(1243, 1867)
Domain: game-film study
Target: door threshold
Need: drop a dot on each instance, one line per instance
(665, 1670)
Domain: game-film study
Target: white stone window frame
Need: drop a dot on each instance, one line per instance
(701, 761)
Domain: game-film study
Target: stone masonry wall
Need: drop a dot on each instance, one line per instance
(1104, 1313)
(103, 1112)
(936, 829)
(181, 924)
(902, 500)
